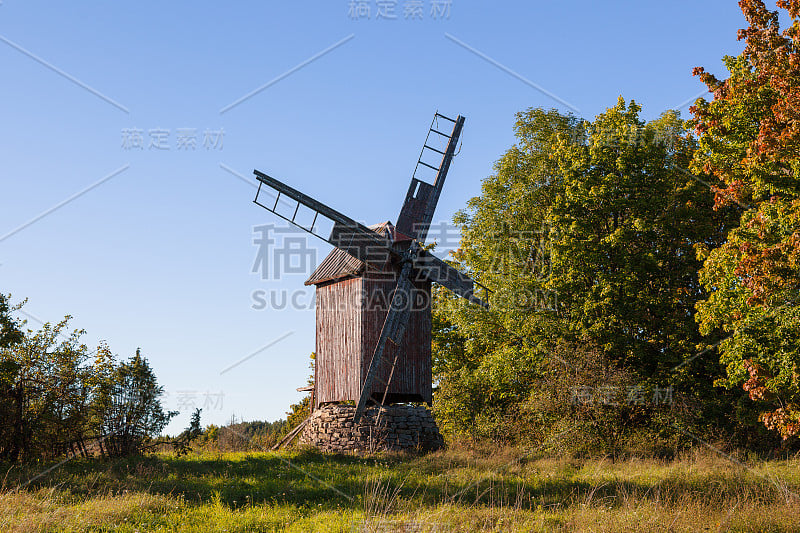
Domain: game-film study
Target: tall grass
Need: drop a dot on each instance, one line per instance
(454, 490)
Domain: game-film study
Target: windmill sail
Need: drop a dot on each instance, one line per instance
(434, 269)
(372, 248)
(421, 199)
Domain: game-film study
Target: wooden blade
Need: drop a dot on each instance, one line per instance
(356, 239)
(421, 199)
(394, 328)
(434, 269)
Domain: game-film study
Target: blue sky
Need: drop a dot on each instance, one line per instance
(158, 253)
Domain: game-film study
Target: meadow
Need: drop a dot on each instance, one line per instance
(462, 489)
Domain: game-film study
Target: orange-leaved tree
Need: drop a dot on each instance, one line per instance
(749, 137)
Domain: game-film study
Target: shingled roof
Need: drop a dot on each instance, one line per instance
(339, 264)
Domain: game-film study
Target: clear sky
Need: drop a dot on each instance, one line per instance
(142, 104)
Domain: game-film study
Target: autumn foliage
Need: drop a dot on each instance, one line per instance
(749, 138)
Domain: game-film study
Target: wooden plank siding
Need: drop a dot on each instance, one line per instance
(412, 379)
(351, 306)
(338, 344)
(350, 315)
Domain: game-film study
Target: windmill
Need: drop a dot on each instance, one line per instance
(363, 352)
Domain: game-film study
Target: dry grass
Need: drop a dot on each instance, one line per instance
(456, 490)
(55, 510)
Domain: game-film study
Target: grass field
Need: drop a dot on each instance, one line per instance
(457, 490)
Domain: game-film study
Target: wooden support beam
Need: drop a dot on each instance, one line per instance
(291, 435)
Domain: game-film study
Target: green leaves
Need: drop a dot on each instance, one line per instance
(43, 397)
(57, 398)
(127, 409)
(586, 235)
(749, 137)
(10, 332)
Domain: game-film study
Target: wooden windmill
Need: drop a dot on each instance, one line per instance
(373, 290)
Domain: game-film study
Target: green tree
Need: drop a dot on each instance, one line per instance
(298, 412)
(749, 136)
(56, 400)
(182, 444)
(10, 332)
(10, 335)
(484, 362)
(586, 232)
(47, 393)
(127, 407)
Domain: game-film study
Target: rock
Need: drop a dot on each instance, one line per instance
(399, 427)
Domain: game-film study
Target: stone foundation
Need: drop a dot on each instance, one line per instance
(400, 427)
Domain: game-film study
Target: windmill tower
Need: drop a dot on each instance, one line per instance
(373, 296)
(351, 307)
